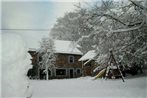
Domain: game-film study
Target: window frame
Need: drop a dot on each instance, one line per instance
(79, 70)
(60, 69)
(69, 59)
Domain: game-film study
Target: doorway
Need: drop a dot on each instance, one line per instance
(71, 73)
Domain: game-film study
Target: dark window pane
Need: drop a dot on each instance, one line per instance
(78, 71)
(71, 59)
(60, 72)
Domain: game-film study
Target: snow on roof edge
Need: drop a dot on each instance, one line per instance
(89, 55)
(31, 49)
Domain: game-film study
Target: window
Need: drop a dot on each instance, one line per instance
(78, 71)
(60, 71)
(71, 59)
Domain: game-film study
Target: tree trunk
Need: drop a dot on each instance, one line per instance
(47, 75)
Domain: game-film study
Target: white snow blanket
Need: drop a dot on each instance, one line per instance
(15, 65)
(86, 87)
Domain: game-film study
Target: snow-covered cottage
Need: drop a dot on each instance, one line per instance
(67, 64)
(88, 62)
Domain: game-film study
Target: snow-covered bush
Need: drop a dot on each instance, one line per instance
(15, 64)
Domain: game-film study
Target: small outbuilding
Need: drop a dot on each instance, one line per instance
(88, 62)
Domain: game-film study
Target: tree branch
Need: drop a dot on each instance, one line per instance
(138, 5)
(129, 29)
(110, 16)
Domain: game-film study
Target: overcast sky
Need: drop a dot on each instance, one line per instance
(33, 15)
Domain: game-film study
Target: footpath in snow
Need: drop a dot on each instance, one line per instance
(86, 87)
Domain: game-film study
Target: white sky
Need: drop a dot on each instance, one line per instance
(33, 15)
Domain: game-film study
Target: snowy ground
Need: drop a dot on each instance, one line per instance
(86, 87)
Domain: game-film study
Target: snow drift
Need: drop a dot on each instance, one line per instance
(15, 64)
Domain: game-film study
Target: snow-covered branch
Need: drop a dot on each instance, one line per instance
(129, 29)
(97, 30)
(110, 16)
(138, 5)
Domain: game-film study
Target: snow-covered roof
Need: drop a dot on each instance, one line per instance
(62, 46)
(32, 49)
(88, 56)
(68, 47)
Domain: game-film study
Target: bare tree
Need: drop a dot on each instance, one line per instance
(48, 55)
